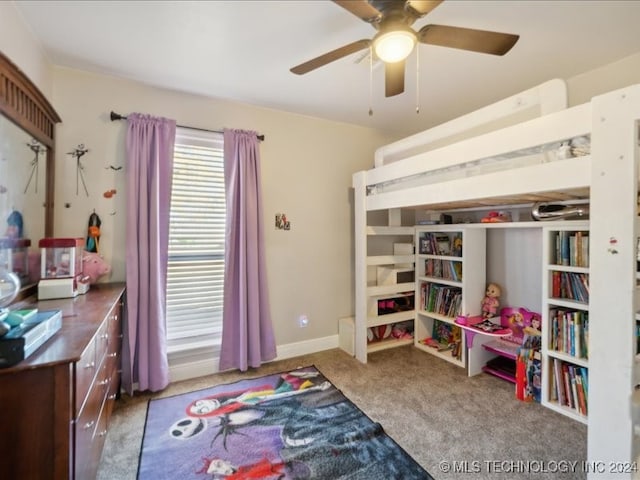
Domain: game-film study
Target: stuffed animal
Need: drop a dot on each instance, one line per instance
(94, 266)
(490, 302)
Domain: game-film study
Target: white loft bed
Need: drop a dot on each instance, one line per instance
(517, 164)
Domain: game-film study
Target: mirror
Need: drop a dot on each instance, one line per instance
(23, 169)
(27, 123)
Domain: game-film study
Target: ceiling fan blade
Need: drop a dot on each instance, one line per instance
(361, 9)
(331, 56)
(481, 41)
(394, 78)
(422, 7)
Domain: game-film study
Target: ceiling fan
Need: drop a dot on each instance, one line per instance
(396, 39)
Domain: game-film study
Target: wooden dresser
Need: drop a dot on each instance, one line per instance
(55, 405)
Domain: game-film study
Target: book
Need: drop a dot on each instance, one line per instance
(560, 386)
(433, 343)
(555, 284)
(574, 389)
(443, 244)
(488, 326)
(567, 385)
(18, 317)
(582, 403)
(564, 248)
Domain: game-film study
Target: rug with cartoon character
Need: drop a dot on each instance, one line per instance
(291, 425)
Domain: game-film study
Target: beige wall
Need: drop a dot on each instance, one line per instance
(307, 165)
(609, 77)
(19, 44)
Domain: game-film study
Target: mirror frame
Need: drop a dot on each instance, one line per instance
(25, 105)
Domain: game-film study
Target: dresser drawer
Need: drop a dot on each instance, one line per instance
(86, 426)
(102, 341)
(85, 372)
(92, 435)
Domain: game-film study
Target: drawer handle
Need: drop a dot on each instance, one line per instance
(105, 336)
(103, 382)
(90, 424)
(112, 396)
(90, 365)
(113, 355)
(102, 433)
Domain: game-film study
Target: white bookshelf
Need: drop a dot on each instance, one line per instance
(432, 266)
(386, 275)
(565, 320)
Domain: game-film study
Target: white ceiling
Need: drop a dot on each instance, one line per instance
(243, 50)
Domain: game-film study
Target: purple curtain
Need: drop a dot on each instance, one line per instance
(247, 331)
(150, 143)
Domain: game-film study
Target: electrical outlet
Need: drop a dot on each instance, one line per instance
(303, 321)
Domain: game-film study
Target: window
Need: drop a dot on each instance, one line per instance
(195, 275)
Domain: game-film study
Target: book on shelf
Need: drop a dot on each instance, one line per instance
(569, 331)
(572, 248)
(568, 391)
(443, 244)
(446, 269)
(570, 386)
(440, 243)
(582, 398)
(433, 343)
(456, 245)
(446, 334)
(570, 286)
(441, 299)
(559, 382)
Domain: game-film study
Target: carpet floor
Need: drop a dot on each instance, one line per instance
(454, 426)
(294, 424)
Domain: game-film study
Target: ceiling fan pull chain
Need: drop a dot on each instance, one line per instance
(371, 80)
(417, 82)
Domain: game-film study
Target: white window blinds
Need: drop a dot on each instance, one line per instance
(195, 276)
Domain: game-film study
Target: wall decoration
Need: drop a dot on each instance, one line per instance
(37, 149)
(77, 153)
(281, 222)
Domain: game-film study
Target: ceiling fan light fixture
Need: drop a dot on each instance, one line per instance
(395, 45)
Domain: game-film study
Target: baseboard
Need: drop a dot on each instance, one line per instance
(201, 368)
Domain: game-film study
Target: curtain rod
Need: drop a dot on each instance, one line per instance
(116, 116)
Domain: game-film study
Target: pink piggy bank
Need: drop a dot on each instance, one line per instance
(94, 266)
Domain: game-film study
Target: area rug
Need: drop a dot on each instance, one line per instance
(290, 425)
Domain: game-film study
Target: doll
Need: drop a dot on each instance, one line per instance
(490, 302)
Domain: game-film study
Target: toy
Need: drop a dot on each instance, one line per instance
(93, 233)
(60, 267)
(496, 217)
(490, 302)
(14, 225)
(94, 266)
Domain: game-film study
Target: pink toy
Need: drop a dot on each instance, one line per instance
(490, 302)
(94, 266)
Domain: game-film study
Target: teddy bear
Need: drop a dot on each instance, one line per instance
(490, 302)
